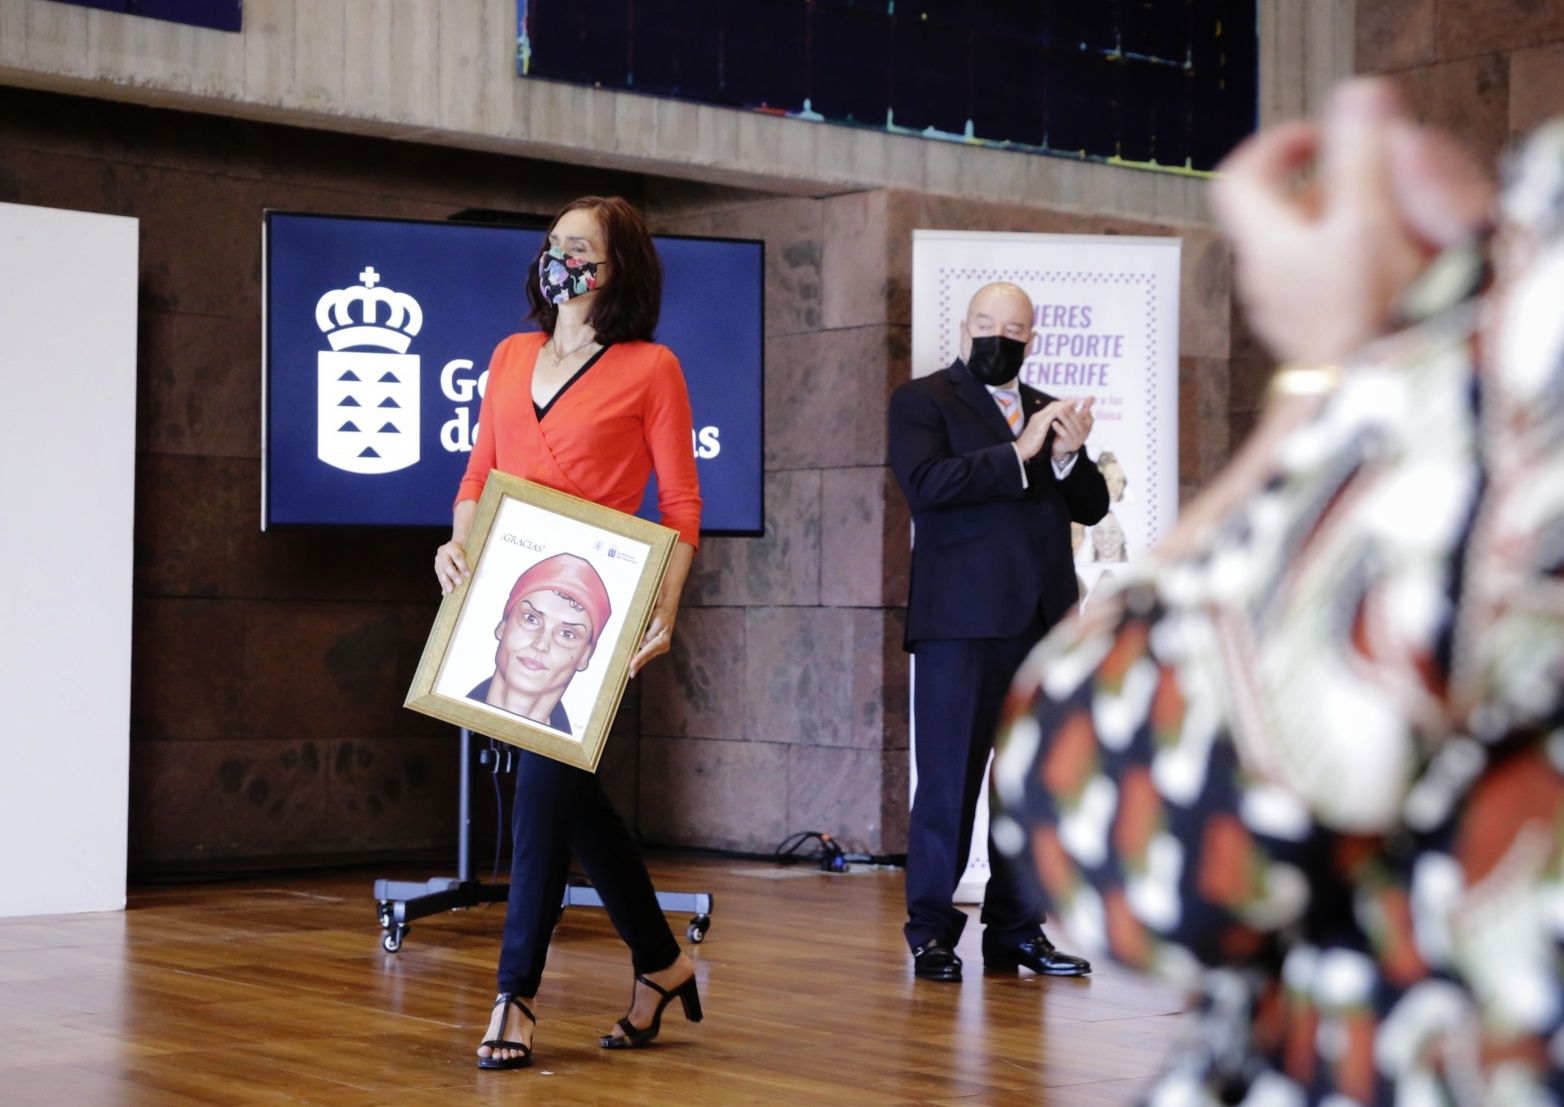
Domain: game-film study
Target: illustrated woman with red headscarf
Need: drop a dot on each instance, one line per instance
(551, 624)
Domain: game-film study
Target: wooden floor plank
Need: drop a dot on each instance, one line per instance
(277, 991)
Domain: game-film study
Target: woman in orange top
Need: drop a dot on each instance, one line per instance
(590, 406)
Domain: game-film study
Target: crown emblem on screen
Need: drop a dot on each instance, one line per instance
(350, 317)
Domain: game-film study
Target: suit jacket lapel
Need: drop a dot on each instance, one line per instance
(980, 400)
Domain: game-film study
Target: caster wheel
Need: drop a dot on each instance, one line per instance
(391, 940)
(698, 927)
(384, 915)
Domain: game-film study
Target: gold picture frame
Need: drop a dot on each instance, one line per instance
(557, 605)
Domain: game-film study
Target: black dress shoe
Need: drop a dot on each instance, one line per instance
(934, 960)
(1039, 955)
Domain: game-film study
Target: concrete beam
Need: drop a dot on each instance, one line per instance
(445, 74)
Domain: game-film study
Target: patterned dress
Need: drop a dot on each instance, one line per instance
(1316, 771)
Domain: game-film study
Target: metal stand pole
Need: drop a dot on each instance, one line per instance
(464, 811)
(402, 901)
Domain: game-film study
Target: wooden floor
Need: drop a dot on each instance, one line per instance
(278, 991)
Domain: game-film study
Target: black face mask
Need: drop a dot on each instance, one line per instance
(996, 359)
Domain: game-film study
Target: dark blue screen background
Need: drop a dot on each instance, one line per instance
(222, 15)
(469, 281)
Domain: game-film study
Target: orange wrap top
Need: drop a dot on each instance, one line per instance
(626, 416)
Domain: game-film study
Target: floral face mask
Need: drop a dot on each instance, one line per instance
(562, 277)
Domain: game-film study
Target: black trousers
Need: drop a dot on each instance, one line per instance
(560, 809)
(960, 686)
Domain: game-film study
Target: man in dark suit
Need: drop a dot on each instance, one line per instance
(994, 472)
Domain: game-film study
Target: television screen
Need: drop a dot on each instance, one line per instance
(377, 338)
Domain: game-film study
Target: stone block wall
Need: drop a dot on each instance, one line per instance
(1488, 70)
(784, 706)
(807, 622)
(268, 670)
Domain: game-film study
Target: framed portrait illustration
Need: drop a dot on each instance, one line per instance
(534, 649)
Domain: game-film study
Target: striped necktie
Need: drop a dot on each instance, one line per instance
(1010, 404)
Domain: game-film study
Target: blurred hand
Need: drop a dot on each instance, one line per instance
(1320, 263)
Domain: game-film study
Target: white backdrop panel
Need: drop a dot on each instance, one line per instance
(67, 463)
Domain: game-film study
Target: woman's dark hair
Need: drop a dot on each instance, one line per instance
(627, 306)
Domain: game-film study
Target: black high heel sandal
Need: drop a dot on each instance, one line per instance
(491, 1062)
(687, 994)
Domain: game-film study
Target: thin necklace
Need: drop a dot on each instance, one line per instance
(558, 357)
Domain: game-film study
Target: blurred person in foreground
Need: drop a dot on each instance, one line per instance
(1309, 758)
